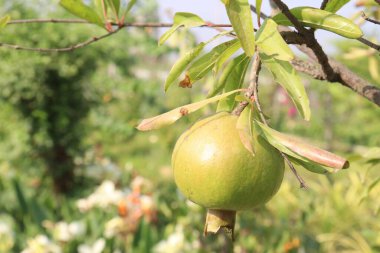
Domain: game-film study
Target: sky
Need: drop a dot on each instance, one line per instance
(213, 11)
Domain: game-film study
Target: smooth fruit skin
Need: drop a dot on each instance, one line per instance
(213, 169)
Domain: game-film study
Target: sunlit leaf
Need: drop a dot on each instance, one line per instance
(284, 74)
(309, 156)
(321, 19)
(4, 21)
(185, 19)
(182, 63)
(131, 3)
(204, 64)
(115, 6)
(224, 56)
(239, 13)
(175, 114)
(356, 53)
(234, 80)
(270, 42)
(373, 67)
(79, 9)
(334, 5)
(244, 127)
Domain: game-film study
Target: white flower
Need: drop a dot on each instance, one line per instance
(41, 244)
(174, 244)
(106, 194)
(97, 247)
(113, 227)
(65, 232)
(6, 237)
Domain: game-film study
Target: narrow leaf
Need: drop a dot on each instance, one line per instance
(334, 5)
(284, 74)
(224, 56)
(300, 149)
(321, 19)
(79, 9)
(204, 64)
(244, 127)
(185, 19)
(131, 3)
(175, 114)
(234, 81)
(239, 13)
(115, 6)
(182, 63)
(270, 42)
(20, 196)
(4, 21)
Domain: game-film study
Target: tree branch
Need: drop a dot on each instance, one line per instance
(348, 78)
(324, 4)
(370, 19)
(91, 40)
(253, 91)
(65, 49)
(310, 41)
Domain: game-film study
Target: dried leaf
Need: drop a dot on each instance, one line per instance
(175, 114)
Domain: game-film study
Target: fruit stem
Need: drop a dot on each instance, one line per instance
(220, 219)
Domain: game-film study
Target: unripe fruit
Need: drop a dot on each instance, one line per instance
(213, 169)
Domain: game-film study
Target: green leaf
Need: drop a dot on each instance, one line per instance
(270, 136)
(258, 10)
(239, 13)
(270, 42)
(185, 19)
(334, 5)
(321, 19)
(284, 74)
(79, 9)
(224, 56)
(221, 83)
(115, 6)
(312, 158)
(131, 3)
(4, 21)
(204, 64)
(20, 196)
(244, 127)
(234, 80)
(177, 113)
(182, 63)
(185, 60)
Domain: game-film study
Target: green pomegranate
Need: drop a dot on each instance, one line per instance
(213, 169)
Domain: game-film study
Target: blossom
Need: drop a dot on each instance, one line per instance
(106, 194)
(97, 247)
(6, 237)
(65, 232)
(41, 244)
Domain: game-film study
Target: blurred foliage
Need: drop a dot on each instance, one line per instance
(124, 198)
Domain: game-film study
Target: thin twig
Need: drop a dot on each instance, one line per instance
(255, 87)
(369, 43)
(65, 49)
(91, 40)
(324, 4)
(127, 24)
(262, 15)
(310, 41)
(46, 20)
(377, 22)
